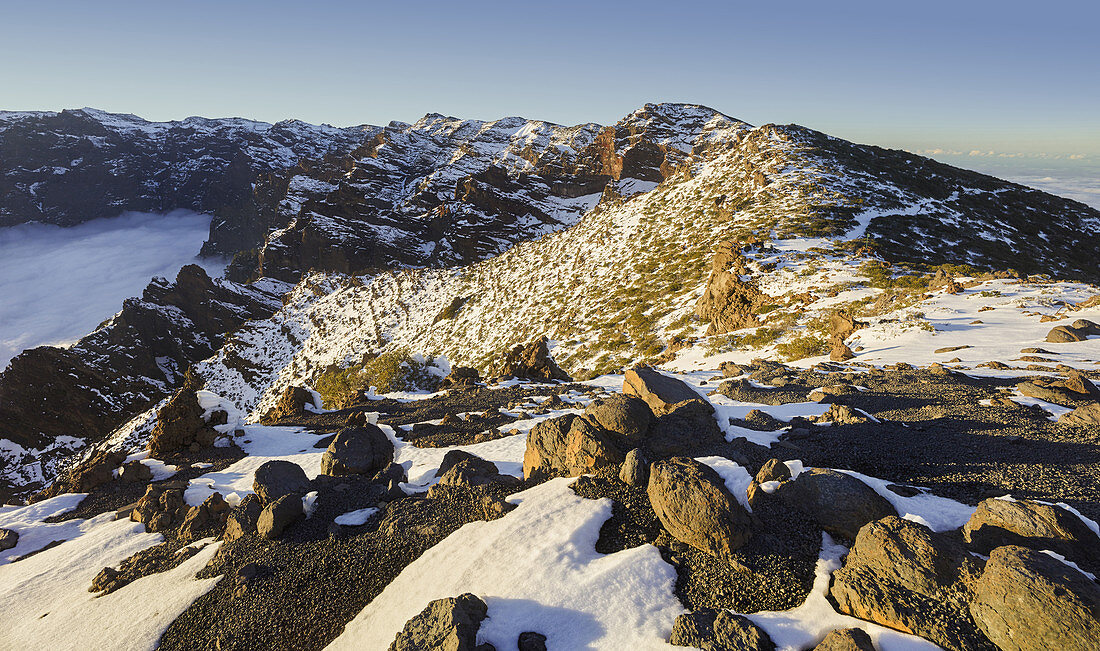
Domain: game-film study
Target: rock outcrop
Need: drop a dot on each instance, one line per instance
(180, 425)
(530, 362)
(291, 403)
(730, 302)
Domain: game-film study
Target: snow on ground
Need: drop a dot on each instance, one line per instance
(59, 283)
(34, 534)
(46, 603)
(262, 443)
(576, 597)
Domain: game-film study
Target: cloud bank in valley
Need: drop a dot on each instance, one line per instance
(57, 284)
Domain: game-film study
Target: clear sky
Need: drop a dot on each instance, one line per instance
(960, 76)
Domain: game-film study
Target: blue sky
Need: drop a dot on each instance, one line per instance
(956, 76)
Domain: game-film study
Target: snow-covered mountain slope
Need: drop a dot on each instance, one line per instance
(621, 286)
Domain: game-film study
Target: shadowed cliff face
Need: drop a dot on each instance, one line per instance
(129, 362)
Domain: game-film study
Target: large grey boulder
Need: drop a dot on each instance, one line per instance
(278, 515)
(712, 630)
(449, 624)
(1027, 600)
(998, 522)
(903, 576)
(840, 503)
(661, 392)
(692, 503)
(362, 450)
(277, 478)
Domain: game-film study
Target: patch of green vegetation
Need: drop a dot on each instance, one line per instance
(389, 371)
(802, 347)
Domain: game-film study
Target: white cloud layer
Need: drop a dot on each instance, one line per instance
(57, 284)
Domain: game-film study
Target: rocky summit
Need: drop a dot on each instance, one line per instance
(674, 382)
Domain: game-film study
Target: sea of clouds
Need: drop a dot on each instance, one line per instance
(57, 284)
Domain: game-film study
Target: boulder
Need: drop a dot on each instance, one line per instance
(242, 519)
(135, 472)
(449, 624)
(569, 446)
(531, 362)
(531, 641)
(360, 450)
(98, 470)
(470, 472)
(1079, 330)
(841, 352)
(998, 522)
(635, 470)
(1067, 391)
(1026, 601)
(292, 403)
(903, 576)
(840, 503)
(179, 423)
(161, 508)
(1082, 416)
(276, 478)
(451, 459)
(760, 421)
(693, 504)
(213, 512)
(846, 639)
(627, 416)
(714, 630)
(663, 394)
(278, 515)
(8, 539)
(461, 377)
